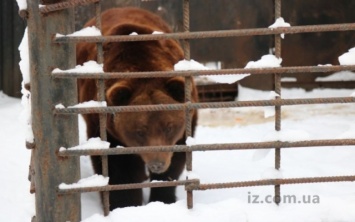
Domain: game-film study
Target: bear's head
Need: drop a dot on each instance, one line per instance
(156, 128)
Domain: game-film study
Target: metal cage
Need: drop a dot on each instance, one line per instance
(54, 128)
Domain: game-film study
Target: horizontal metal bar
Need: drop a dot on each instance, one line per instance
(64, 5)
(268, 182)
(151, 108)
(167, 74)
(208, 147)
(129, 186)
(194, 184)
(208, 34)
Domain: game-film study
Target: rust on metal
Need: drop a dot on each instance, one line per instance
(188, 88)
(167, 74)
(64, 5)
(210, 34)
(130, 186)
(277, 89)
(209, 147)
(161, 107)
(274, 182)
(51, 131)
(195, 184)
(100, 84)
(30, 146)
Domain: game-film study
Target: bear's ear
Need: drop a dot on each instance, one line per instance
(119, 94)
(176, 88)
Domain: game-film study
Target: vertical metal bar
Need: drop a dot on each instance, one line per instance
(277, 78)
(188, 88)
(31, 174)
(102, 117)
(52, 131)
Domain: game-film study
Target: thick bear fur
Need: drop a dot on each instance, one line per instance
(138, 128)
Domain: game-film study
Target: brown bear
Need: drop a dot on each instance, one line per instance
(138, 128)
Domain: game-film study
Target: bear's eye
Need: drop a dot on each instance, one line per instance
(169, 129)
(140, 133)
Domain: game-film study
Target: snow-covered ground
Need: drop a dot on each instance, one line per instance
(314, 202)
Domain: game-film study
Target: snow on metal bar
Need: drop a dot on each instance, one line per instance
(208, 147)
(268, 182)
(209, 34)
(64, 5)
(168, 74)
(152, 108)
(130, 186)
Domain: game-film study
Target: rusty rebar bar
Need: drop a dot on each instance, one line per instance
(211, 105)
(102, 117)
(209, 147)
(195, 184)
(277, 87)
(167, 74)
(130, 186)
(65, 5)
(274, 182)
(188, 89)
(209, 34)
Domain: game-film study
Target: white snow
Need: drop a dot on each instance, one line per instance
(287, 135)
(92, 143)
(87, 67)
(59, 106)
(186, 65)
(280, 22)
(157, 33)
(269, 111)
(340, 76)
(337, 200)
(288, 79)
(271, 173)
(25, 62)
(191, 175)
(347, 58)
(26, 95)
(291, 135)
(93, 181)
(22, 4)
(264, 62)
(89, 104)
(190, 141)
(325, 65)
(87, 31)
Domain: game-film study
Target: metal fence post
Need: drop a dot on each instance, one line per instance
(52, 131)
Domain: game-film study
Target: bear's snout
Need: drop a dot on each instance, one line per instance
(157, 162)
(157, 167)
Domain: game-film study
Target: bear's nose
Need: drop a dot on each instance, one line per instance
(156, 167)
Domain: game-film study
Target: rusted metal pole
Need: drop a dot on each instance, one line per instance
(188, 88)
(277, 79)
(52, 131)
(100, 83)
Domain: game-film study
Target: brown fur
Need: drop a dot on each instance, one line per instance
(143, 128)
